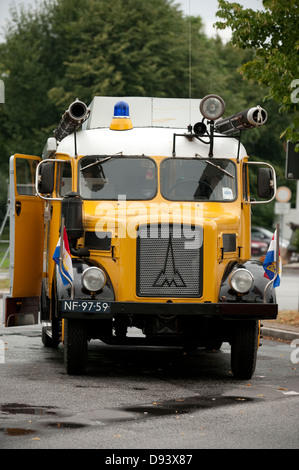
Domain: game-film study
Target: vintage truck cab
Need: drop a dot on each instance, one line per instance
(148, 210)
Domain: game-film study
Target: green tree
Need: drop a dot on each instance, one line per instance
(65, 49)
(137, 51)
(30, 60)
(145, 53)
(273, 36)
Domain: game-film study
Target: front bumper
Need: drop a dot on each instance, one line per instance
(222, 310)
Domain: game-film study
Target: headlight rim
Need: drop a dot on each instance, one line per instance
(83, 279)
(232, 280)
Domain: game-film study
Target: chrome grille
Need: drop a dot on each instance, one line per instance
(169, 261)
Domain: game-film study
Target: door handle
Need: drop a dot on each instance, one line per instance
(18, 207)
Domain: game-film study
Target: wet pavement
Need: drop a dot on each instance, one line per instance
(148, 398)
(145, 398)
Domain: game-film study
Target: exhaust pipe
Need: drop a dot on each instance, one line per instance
(242, 121)
(72, 119)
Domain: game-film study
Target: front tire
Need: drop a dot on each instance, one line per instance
(244, 349)
(75, 346)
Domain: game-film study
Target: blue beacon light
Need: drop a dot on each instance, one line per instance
(121, 109)
(121, 119)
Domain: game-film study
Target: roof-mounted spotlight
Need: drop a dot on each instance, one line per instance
(212, 107)
(247, 119)
(72, 119)
(121, 119)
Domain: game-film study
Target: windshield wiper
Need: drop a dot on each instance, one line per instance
(96, 162)
(219, 168)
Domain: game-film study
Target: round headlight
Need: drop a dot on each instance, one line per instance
(241, 280)
(212, 107)
(93, 279)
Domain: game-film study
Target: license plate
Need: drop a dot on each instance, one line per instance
(88, 306)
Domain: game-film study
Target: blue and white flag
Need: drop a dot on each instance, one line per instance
(66, 270)
(269, 264)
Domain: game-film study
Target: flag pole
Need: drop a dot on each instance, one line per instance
(276, 262)
(61, 257)
(277, 248)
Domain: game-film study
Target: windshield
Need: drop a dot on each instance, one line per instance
(106, 177)
(186, 179)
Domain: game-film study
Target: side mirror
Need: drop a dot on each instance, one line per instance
(265, 183)
(46, 178)
(262, 179)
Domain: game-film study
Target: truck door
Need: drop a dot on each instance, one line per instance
(26, 243)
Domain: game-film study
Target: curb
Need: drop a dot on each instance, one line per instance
(283, 335)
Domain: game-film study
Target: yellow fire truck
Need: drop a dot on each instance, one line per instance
(146, 204)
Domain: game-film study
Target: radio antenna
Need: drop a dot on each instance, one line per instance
(190, 61)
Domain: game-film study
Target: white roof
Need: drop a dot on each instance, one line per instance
(147, 141)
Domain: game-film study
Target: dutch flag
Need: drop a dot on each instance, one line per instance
(66, 267)
(269, 264)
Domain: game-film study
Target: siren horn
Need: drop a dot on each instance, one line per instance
(72, 119)
(248, 119)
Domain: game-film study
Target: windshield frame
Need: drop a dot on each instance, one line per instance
(214, 161)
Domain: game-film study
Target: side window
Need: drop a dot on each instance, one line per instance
(64, 179)
(25, 176)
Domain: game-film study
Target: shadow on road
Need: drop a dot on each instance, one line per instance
(155, 362)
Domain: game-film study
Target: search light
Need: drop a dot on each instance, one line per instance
(247, 119)
(212, 107)
(72, 119)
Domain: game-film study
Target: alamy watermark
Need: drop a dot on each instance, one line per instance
(2, 92)
(295, 93)
(295, 353)
(175, 218)
(2, 352)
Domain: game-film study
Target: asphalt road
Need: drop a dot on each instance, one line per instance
(148, 399)
(145, 399)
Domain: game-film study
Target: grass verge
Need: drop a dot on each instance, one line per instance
(288, 317)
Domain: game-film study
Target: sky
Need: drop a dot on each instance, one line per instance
(204, 8)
